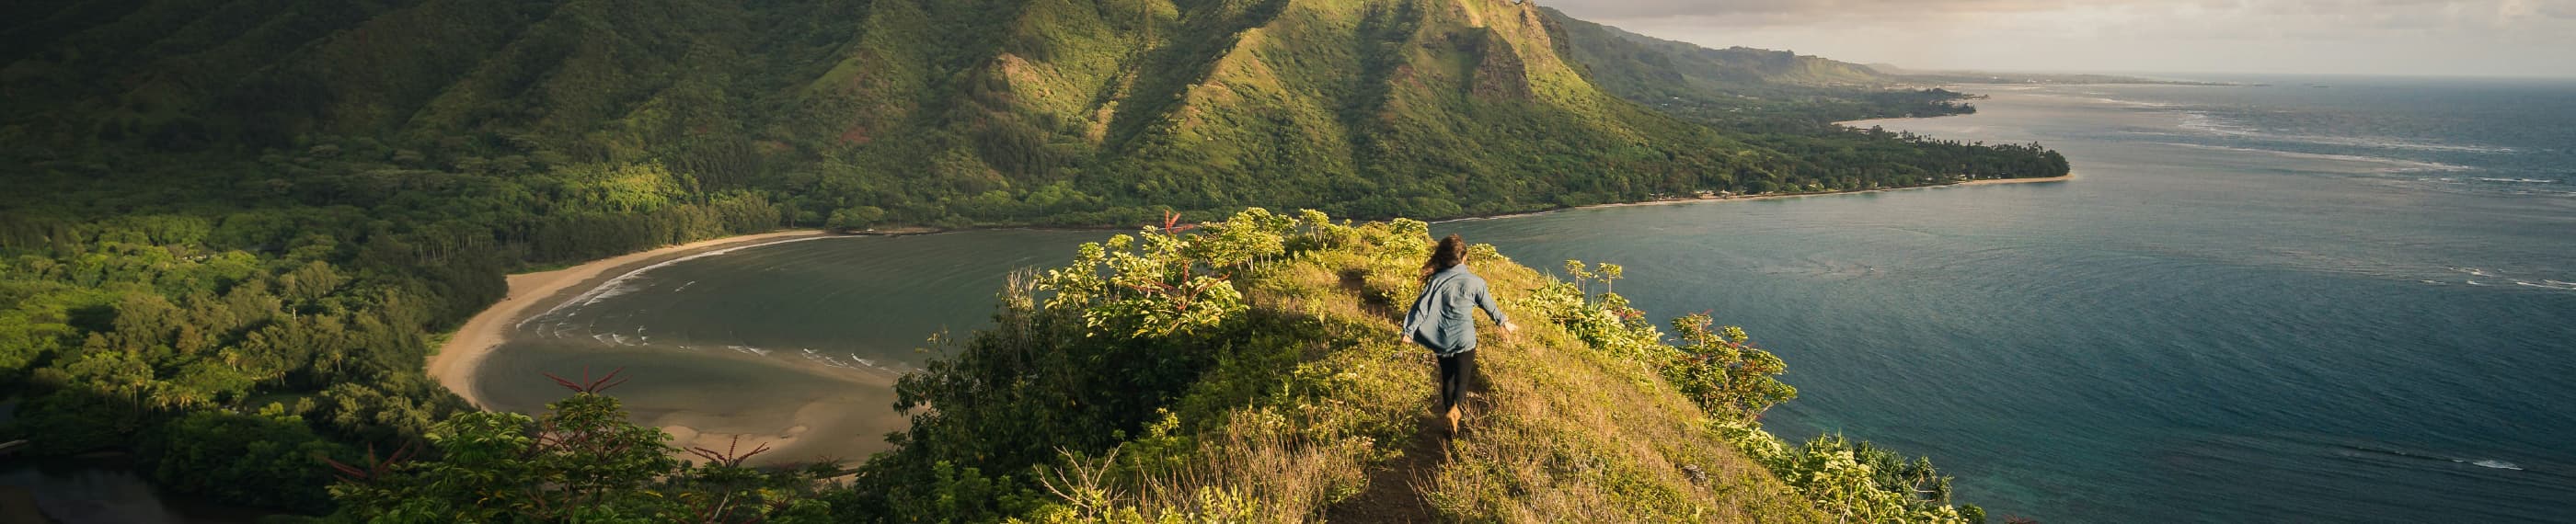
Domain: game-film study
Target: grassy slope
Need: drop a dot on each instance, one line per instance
(1559, 432)
(1303, 406)
(1564, 433)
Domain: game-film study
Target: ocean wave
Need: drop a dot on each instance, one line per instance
(2215, 125)
(2497, 464)
(2133, 103)
(2396, 165)
(624, 283)
(2491, 276)
(749, 350)
(2516, 180)
(827, 360)
(2392, 143)
(2203, 122)
(2484, 463)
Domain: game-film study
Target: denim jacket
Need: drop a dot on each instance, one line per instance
(1440, 318)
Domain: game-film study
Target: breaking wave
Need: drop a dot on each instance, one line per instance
(2395, 165)
(2215, 125)
(624, 283)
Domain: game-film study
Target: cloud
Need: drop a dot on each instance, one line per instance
(2322, 14)
(1818, 9)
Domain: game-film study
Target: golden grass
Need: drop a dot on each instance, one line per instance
(1566, 434)
(1558, 433)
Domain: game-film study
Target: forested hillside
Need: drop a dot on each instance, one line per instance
(952, 113)
(251, 217)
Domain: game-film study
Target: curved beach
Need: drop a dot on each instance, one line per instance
(455, 363)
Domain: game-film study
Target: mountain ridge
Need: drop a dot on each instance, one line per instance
(1077, 111)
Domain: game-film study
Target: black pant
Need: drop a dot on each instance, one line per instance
(1454, 371)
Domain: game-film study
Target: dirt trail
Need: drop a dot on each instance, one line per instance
(1395, 488)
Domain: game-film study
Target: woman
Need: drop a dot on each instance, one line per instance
(1440, 320)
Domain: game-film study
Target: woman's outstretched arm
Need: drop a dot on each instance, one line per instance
(1485, 301)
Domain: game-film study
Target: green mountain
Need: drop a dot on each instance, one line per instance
(1633, 63)
(951, 112)
(1743, 88)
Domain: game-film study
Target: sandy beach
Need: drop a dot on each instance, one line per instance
(455, 362)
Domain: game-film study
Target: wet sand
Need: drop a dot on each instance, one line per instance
(455, 363)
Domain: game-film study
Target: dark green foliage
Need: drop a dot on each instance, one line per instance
(1720, 369)
(1081, 370)
(582, 461)
(135, 306)
(269, 459)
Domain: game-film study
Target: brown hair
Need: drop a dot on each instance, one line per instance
(1451, 252)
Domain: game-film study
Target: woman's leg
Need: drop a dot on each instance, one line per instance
(1454, 372)
(1450, 381)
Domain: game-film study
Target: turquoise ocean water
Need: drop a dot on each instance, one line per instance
(2329, 299)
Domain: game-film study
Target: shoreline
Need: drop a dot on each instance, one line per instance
(457, 360)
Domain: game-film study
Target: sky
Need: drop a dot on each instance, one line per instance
(2373, 37)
